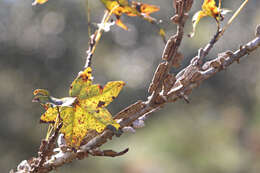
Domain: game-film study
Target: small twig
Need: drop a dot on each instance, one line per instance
(234, 16)
(88, 18)
(202, 53)
(95, 38)
(46, 149)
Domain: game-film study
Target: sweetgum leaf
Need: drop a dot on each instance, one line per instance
(85, 109)
(77, 122)
(98, 97)
(81, 83)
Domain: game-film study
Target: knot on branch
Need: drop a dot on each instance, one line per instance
(182, 7)
(177, 18)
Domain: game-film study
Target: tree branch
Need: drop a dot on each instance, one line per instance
(165, 88)
(186, 80)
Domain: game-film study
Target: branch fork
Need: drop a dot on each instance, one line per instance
(164, 88)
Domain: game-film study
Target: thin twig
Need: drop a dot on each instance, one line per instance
(95, 38)
(234, 16)
(88, 18)
(46, 150)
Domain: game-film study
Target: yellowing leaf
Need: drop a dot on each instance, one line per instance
(162, 34)
(99, 97)
(84, 110)
(209, 8)
(195, 20)
(130, 8)
(145, 8)
(121, 24)
(41, 91)
(133, 8)
(83, 81)
(77, 122)
(83, 89)
(123, 2)
(39, 2)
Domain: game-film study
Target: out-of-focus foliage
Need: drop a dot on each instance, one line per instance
(130, 8)
(209, 8)
(39, 2)
(44, 47)
(133, 8)
(84, 110)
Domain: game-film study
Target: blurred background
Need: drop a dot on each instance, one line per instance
(44, 47)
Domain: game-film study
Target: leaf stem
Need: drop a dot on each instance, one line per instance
(95, 38)
(88, 17)
(234, 16)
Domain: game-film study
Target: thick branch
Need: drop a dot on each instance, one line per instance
(190, 78)
(165, 88)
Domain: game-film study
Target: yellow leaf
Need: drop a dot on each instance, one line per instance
(41, 91)
(84, 110)
(97, 97)
(130, 8)
(39, 2)
(195, 20)
(133, 8)
(209, 8)
(83, 81)
(145, 8)
(162, 34)
(121, 24)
